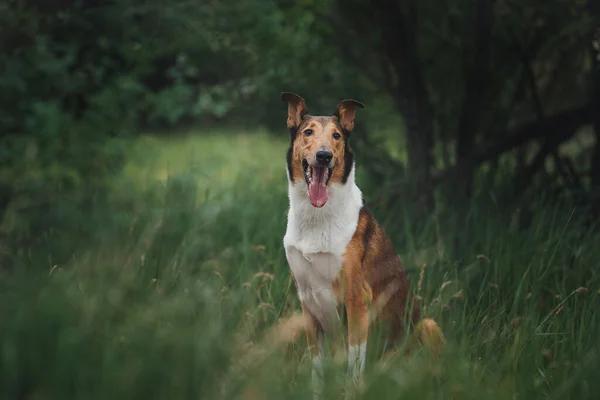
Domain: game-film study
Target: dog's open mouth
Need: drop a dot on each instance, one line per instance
(317, 177)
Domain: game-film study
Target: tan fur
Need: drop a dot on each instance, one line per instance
(285, 332)
(372, 285)
(296, 108)
(305, 147)
(373, 266)
(426, 334)
(375, 289)
(310, 328)
(347, 111)
(323, 130)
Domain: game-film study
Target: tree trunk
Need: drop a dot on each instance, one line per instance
(595, 172)
(416, 109)
(399, 43)
(5, 199)
(595, 167)
(475, 75)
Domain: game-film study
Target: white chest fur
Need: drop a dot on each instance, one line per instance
(315, 242)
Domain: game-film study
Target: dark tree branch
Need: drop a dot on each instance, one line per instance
(554, 125)
(548, 148)
(525, 177)
(561, 126)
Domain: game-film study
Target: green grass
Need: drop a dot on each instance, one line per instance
(214, 160)
(158, 305)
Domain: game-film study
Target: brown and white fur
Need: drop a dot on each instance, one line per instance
(337, 252)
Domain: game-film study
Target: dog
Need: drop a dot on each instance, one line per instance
(343, 264)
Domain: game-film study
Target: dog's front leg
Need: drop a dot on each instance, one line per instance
(314, 337)
(357, 295)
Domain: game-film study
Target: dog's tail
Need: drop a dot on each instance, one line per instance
(428, 334)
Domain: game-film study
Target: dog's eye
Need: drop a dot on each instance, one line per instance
(337, 136)
(308, 132)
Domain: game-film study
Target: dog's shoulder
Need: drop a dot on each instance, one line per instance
(370, 245)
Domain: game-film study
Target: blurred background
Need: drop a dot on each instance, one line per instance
(143, 194)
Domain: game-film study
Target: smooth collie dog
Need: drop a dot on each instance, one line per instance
(343, 264)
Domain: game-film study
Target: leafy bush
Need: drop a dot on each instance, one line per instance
(76, 81)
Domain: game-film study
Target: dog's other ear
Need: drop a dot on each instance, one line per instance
(296, 108)
(346, 111)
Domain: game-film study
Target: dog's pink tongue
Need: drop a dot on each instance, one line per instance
(317, 190)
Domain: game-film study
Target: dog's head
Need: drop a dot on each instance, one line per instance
(319, 153)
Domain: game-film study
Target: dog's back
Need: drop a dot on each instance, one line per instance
(394, 304)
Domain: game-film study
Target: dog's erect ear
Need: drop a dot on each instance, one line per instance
(296, 108)
(346, 111)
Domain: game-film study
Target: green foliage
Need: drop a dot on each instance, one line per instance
(78, 76)
(77, 80)
(127, 272)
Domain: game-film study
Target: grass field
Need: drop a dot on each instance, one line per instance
(160, 305)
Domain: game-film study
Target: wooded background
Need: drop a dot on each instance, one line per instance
(143, 190)
(458, 88)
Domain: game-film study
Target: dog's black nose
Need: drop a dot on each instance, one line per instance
(324, 156)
